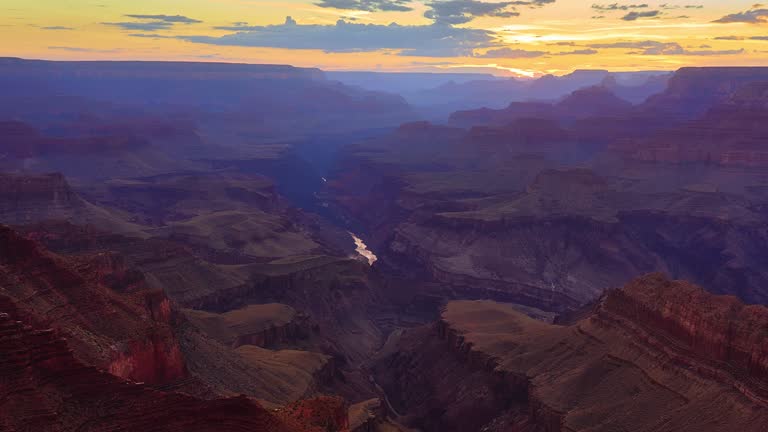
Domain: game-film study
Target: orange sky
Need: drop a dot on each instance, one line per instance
(555, 37)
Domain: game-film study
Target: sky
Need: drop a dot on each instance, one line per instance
(503, 37)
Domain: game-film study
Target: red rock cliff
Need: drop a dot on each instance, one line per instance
(129, 334)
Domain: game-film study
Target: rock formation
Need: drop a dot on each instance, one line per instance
(657, 355)
(128, 333)
(45, 388)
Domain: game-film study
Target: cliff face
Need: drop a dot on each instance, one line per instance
(657, 355)
(710, 115)
(563, 239)
(597, 101)
(559, 262)
(692, 91)
(228, 92)
(722, 330)
(25, 199)
(33, 198)
(731, 133)
(44, 388)
(263, 325)
(334, 294)
(502, 212)
(128, 333)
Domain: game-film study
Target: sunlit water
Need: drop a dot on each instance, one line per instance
(362, 249)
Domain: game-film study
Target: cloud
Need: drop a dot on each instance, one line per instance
(635, 15)
(177, 19)
(668, 6)
(753, 16)
(83, 50)
(587, 51)
(511, 53)
(436, 40)
(713, 52)
(151, 36)
(618, 7)
(367, 5)
(152, 22)
(141, 26)
(664, 48)
(534, 3)
(56, 28)
(464, 11)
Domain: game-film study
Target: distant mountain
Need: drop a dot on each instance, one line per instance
(270, 95)
(583, 103)
(732, 132)
(439, 102)
(405, 83)
(637, 91)
(693, 91)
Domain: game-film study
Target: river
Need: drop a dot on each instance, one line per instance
(362, 249)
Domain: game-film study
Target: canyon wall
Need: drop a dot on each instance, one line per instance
(657, 355)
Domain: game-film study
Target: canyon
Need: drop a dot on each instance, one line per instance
(655, 355)
(586, 253)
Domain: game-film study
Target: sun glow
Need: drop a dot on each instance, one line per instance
(564, 32)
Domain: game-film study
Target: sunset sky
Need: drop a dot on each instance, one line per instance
(524, 37)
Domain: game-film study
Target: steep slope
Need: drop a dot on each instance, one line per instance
(498, 93)
(45, 388)
(263, 325)
(657, 355)
(337, 294)
(128, 333)
(321, 325)
(26, 199)
(216, 93)
(548, 212)
(595, 101)
(562, 239)
(692, 91)
(732, 133)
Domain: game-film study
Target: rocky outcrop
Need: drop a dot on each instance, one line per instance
(44, 388)
(595, 101)
(335, 294)
(326, 413)
(367, 416)
(555, 258)
(263, 325)
(721, 330)
(162, 199)
(228, 93)
(25, 199)
(694, 360)
(276, 335)
(129, 333)
(731, 133)
(499, 225)
(33, 198)
(692, 91)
